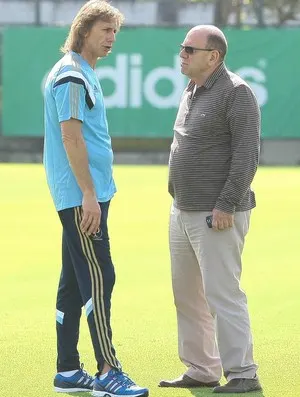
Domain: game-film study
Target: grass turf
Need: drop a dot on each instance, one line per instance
(144, 322)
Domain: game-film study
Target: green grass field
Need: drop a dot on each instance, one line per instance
(144, 320)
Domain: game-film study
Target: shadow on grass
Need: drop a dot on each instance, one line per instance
(206, 392)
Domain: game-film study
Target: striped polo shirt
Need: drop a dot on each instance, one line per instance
(215, 150)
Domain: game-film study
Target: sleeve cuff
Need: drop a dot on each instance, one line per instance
(225, 206)
(66, 117)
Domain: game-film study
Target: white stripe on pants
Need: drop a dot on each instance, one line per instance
(206, 270)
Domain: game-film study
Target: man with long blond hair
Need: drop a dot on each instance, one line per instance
(78, 161)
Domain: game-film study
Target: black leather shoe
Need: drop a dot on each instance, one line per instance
(239, 385)
(187, 382)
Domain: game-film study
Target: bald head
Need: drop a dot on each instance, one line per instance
(213, 37)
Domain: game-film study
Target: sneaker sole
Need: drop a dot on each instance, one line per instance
(71, 390)
(107, 394)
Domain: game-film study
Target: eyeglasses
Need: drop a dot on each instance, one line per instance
(191, 50)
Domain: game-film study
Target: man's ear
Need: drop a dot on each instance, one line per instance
(215, 56)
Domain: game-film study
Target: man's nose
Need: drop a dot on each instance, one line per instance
(183, 54)
(112, 37)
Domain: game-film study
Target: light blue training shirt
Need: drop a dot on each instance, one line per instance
(73, 90)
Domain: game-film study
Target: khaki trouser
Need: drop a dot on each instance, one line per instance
(213, 320)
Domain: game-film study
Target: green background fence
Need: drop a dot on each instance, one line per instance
(141, 79)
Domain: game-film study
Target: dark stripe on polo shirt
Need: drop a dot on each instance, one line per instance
(76, 80)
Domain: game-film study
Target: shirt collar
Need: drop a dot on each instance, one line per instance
(221, 69)
(81, 60)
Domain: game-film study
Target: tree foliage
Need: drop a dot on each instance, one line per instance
(284, 9)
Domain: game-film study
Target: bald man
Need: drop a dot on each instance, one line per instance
(213, 160)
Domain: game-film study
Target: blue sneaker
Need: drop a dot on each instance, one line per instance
(117, 384)
(80, 381)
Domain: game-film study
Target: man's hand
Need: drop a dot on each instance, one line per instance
(91, 214)
(221, 220)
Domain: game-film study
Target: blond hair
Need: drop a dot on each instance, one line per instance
(90, 12)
